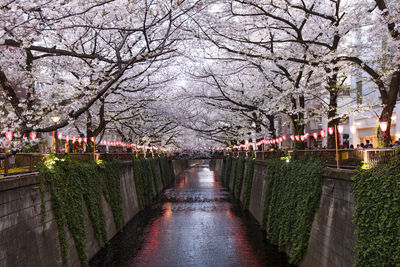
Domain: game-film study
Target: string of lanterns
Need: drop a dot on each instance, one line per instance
(331, 130)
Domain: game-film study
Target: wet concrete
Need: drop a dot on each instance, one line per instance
(194, 224)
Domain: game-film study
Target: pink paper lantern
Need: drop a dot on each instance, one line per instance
(383, 125)
(315, 135)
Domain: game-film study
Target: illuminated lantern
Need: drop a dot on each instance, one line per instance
(383, 125)
(59, 135)
(340, 129)
(67, 138)
(284, 137)
(92, 139)
(352, 129)
(323, 133)
(280, 139)
(80, 140)
(297, 138)
(85, 139)
(315, 135)
(330, 130)
(292, 137)
(33, 135)
(73, 139)
(9, 135)
(303, 137)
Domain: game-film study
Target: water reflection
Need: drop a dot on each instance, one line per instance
(196, 225)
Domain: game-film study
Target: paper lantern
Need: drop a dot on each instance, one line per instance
(292, 137)
(67, 138)
(9, 135)
(284, 137)
(92, 139)
(33, 135)
(73, 139)
(297, 138)
(353, 129)
(340, 129)
(330, 130)
(280, 139)
(85, 139)
(303, 137)
(80, 140)
(383, 125)
(315, 135)
(59, 136)
(323, 133)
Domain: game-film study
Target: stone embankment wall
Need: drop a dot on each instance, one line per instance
(26, 241)
(332, 238)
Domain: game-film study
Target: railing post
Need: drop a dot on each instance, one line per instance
(6, 166)
(30, 162)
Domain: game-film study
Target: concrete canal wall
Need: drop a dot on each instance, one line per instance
(26, 241)
(332, 237)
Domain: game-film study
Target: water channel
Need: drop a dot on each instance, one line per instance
(194, 224)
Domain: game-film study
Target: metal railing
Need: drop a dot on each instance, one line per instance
(343, 158)
(21, 163)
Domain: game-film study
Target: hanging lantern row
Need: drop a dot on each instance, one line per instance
(10, 135)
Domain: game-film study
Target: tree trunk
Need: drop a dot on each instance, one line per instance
(332, 112)
(389, 103)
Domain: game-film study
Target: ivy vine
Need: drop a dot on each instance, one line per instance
(248, 182)
(164, 170)
(377, 213)
(238, 179)
(72, 183)
(139, 185)
(153, 168)
(292, 197)
(228, 169)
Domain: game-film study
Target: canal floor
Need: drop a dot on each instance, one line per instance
(195, 224)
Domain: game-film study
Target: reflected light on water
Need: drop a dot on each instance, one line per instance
(167, 210)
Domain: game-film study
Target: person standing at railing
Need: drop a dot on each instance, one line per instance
(367, 145)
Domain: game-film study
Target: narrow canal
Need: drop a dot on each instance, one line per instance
(194, 224)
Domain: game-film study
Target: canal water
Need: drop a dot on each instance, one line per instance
(194, 224)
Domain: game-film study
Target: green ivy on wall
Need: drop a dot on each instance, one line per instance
(377, 215)
(148, 181)
(248, 182)
(228, 169)
(238, 179)
(72, 183)
(164, 170)
(153, 167)
(139, 185)
(292, 197)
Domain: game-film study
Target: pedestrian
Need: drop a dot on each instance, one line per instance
(362, 145)
(351, 146)
(367, 145)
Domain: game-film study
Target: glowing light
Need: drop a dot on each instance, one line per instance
(353, 129)
(33, 135)
(340, 129)
(297, 138)
(59, 136)
(315, 135)
(292, 137)
(323, 133)
(330, 130)
(9, 135)
(383, 125)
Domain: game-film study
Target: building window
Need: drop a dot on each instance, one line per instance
(359, 92)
